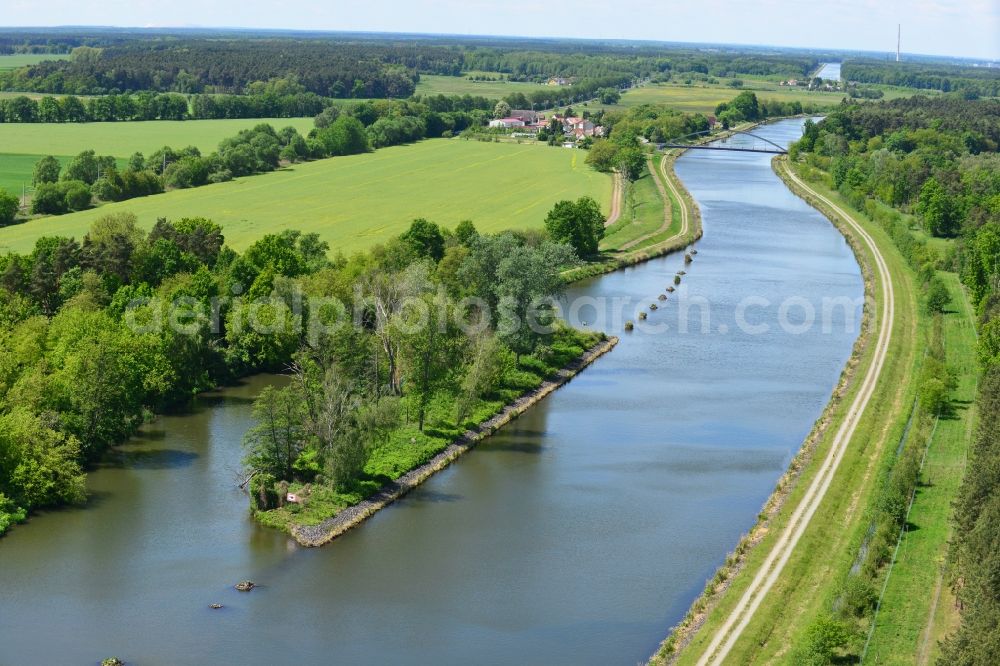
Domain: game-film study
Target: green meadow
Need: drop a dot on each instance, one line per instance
(356, 201)
(434, 84)
(704, 97)
(23, 144)
(644, 229)
(17, 60)
(124, 138)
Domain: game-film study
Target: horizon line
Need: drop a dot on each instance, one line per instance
(626, 40)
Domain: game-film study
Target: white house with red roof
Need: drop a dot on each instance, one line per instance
(581, 127)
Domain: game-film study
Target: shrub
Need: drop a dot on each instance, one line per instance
(263, 496)
(76, 194)
(46, 171)
(9, 514)
(58, 198)
(520, 381)
(858, 596)
(535, 365)
(8, 207)
(938, 297)
(48, 200)
(822, 640)
(933, 395)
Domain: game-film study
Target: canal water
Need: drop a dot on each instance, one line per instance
(577, 535)
(830, 71)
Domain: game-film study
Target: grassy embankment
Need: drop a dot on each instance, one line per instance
(356, 201)
(656, 217)
(23, 144)
(829, 545)
(628, 243)
(435, 84)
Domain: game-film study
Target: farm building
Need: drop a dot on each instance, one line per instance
(529, 117)
(507, 122)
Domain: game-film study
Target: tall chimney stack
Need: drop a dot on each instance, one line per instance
(899, 30)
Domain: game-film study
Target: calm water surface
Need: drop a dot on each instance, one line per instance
(830, 71)
(577, 535)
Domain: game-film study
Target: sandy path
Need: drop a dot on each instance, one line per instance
(616, 202)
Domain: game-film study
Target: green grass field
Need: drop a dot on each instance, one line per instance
(23, 59)
(699, 97)
(356, 201)
(23, 144)
(15, 171)
(432, 84)
(704, 97)
(123, 139)
(918, 608)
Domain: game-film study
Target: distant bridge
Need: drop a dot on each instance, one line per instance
(769, 146)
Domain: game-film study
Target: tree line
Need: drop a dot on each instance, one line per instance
(972, 81)
(326, 68)
(277, 98)
(158, 106)
(745, 107)
(529, 63)
(368, 67)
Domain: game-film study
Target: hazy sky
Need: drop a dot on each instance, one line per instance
(958, 27)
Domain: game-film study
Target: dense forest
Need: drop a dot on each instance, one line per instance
(533, 65)
(196, 66)
(352, 66)
(88, 355)
(936, 159)
(973, 81)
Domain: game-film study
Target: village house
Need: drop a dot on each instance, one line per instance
(507, 123)
(581, 127)
(537, 126)
(557, 81)
(529, 117)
